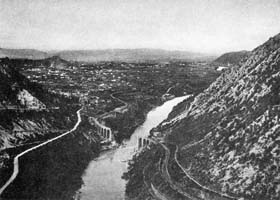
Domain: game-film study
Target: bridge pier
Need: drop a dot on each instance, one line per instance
(103, 131)
(143, 142)
(139, 143)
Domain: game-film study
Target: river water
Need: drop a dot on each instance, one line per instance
(102, 178)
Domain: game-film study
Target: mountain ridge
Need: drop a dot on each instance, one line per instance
(22, 53)
(244, 103)
(128, 55)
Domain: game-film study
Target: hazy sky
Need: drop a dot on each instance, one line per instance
(213, 26)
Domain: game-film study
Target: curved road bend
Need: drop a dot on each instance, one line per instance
(223, 195)
(158, 193)
(168, 90)
(16, 164)
(151, 191)
(118, 99)
(95, 119)
(121, 107)
(168, 177)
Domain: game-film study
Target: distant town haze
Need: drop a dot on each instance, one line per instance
(207, 26)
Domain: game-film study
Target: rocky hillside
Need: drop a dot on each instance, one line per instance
(232, 58)
(14, 89)
(237, 119)
(29, 111)
(228, 137)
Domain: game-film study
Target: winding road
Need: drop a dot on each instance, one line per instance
(168, 177)
(118, 108)
(95, 119)
(149, 186)
(165, 172)
(168, 90)
(118, 99)
(16, 162)
(203, 188)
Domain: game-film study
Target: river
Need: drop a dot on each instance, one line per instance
(102, 178)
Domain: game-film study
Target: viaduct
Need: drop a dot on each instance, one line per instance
(144, 142)
(104, 131)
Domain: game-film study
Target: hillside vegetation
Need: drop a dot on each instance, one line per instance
(228, 137)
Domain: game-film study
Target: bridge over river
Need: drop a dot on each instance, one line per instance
(102, 178)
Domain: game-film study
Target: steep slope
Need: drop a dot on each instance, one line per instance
(226, 139)
(239, 114)
(30, 115)
(27, 110)
(232, 58)
(12, 87)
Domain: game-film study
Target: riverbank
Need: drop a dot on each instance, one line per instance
(138, 107)
(103, 176)
(125, 124)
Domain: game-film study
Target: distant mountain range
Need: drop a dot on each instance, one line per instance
(127, 55)
(130, 55)
(22, 53)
